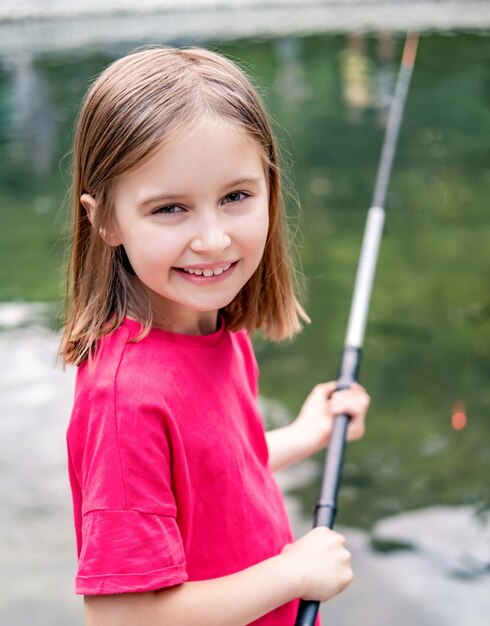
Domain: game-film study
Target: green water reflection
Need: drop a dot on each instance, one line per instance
(427, 344)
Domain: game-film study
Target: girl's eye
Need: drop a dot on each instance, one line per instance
(169, 209)
(235, 196)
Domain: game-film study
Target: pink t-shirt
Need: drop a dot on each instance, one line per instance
(168, 465)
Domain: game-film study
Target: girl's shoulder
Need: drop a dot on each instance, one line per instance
(121, 351)
(124, 372)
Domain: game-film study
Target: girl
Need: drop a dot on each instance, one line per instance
(178, 253)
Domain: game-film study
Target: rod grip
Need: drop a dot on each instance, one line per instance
(307, 612)
(326, 508)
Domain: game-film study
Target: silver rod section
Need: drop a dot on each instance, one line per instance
(365, 277)
(374, 225)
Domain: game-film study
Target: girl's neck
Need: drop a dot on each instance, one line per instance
(205, 324)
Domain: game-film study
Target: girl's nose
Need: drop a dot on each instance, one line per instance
(211, 238)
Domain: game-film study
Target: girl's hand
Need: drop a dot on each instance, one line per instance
(314, 423)
(322, 562)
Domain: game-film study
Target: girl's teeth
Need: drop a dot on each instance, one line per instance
(208, 273)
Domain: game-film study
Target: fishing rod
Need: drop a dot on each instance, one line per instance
(326, 507)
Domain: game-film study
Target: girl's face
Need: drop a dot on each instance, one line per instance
(193, 221)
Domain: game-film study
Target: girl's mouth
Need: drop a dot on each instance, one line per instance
(207, 271)
(207, 274)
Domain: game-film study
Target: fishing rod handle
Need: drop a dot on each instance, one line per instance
(307, 612)
(326, 507)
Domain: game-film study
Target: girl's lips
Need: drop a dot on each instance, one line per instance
(206, 280)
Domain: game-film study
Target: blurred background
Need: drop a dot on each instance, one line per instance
(415, 497)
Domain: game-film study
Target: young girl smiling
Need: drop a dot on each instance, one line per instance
(178, 254)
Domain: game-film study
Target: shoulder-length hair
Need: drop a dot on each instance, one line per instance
(132, 108)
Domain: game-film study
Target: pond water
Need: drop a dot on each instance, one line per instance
(414, 477)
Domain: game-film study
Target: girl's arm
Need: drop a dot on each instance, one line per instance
(317, 566)
(311, 430)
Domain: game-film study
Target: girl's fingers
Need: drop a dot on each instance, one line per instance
(355, 403)
(355, 387)
(356, 429)
(350, 401)
(327, 389)
(324, 403)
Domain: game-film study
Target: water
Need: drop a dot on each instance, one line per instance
(414, 486)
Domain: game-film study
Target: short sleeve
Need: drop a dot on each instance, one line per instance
(128, 551)
(122, 475)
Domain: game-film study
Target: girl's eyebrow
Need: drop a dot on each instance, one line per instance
(245, 181)
(161, 198)
(167, 197)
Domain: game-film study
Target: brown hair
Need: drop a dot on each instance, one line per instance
(136, 104)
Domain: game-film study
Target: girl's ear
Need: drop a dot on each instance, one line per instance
(90, 205)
